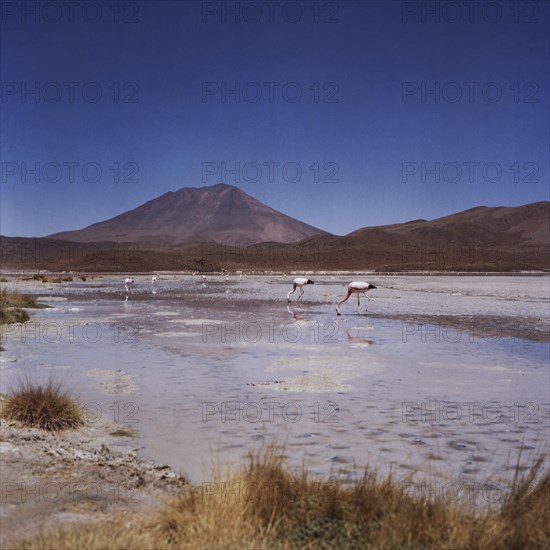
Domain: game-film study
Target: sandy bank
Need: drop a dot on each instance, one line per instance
(75, 476)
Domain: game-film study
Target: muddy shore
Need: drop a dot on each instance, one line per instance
(85, 475)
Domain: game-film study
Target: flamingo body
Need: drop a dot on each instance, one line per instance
(299, 282)
(355, 287)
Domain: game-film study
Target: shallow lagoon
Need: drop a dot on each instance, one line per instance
(207, 371)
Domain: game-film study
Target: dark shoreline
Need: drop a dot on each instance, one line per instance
(18, 272)
(487, 327)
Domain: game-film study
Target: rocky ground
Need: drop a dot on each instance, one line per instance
(49, 479)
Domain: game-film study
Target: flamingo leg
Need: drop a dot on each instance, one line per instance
(342, 301)
(291, 292)
(301, 292)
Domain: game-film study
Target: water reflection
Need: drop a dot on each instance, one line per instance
(193, 343)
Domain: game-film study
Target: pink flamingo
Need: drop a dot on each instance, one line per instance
(355, 287)
(299, 282)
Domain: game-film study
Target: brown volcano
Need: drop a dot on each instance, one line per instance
(218, 213)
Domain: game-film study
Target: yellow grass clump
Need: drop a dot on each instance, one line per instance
(266, 506)
(48, 406)
(11, 304)
(10, 307)
(46, 279)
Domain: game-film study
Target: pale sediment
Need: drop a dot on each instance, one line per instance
(86, 475)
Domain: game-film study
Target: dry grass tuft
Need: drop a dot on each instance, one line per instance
(92, 537)
(10, 315)
(265, 506)
(48, 407)
(14, 299)
(10, 307)
(525, 512)
(46, 279)
(11, 304)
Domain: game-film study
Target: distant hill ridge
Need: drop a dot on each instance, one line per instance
(502, 224)
(502, 238)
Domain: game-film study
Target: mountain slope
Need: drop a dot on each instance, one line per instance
(479, 239)
(501, 224)
(220, 213)
(484, 238)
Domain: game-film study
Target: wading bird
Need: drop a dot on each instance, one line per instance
(355, 287)
(128, 283)
(128, 287)
(299, 282)
(154, 282)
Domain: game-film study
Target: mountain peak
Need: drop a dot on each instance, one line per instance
(221, 186)
(210, 188)
(221, 213)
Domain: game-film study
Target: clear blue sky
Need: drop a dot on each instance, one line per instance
(389, 92)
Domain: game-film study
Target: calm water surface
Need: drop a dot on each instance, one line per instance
(208, 371)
